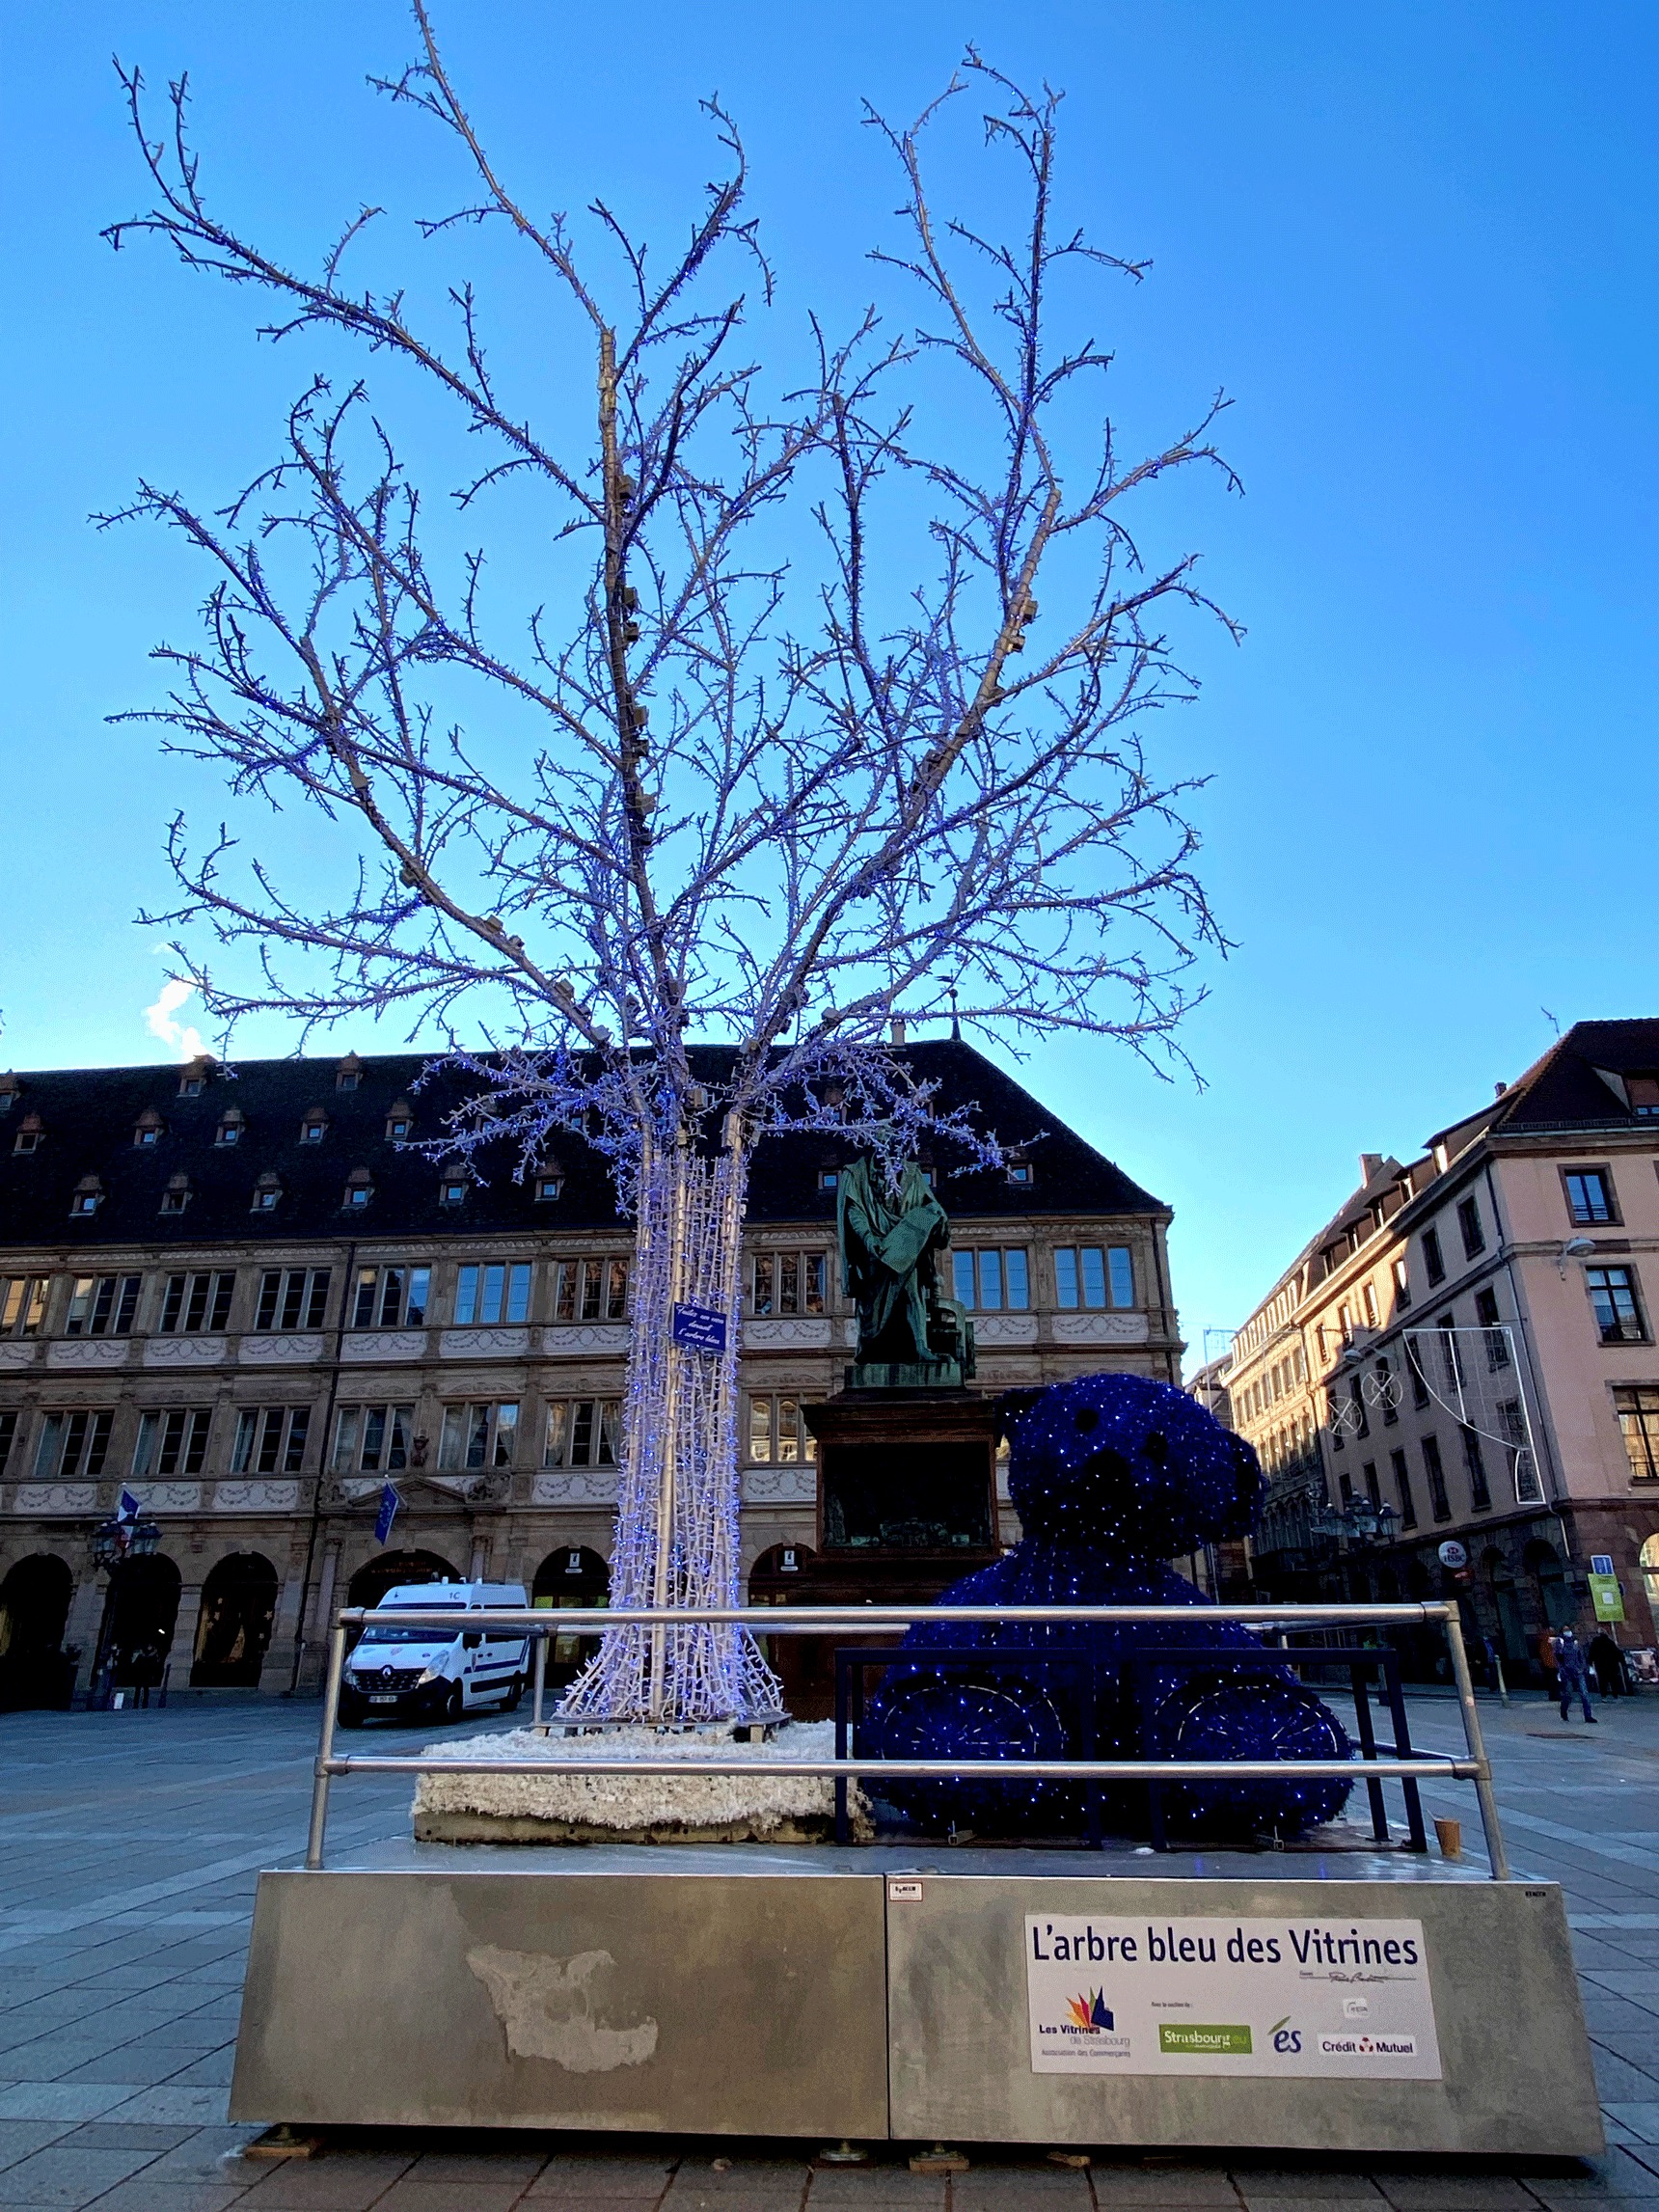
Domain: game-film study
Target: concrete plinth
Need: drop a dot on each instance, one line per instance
(877, 1992)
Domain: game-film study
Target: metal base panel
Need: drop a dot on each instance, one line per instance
(1417, 2017)
(715, 2004)
(1344, 2002)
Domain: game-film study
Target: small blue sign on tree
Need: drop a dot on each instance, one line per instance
(699, 1328)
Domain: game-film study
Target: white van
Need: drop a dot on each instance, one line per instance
(401, 1672)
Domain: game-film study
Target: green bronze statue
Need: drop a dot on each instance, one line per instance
(911, 1333)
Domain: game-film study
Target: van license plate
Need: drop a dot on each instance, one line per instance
(383, 1701)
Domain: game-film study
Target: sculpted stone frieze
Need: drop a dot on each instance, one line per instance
(173, 1497)
(1005, 1327)
(56, 1497)
(281, 1350)
(571, 1339)
(384, 1344)
(184, 1352)
(810, 1333)
(256, 1497)
(575, 1486)
(483, 1343)
(20, 1352)
(1099, 1329)
(779, 1486)
(101, 1352)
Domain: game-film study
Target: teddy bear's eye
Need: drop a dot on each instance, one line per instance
(1087, 1417)
(1157, 1448)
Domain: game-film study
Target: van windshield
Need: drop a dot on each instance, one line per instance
(378, 1635)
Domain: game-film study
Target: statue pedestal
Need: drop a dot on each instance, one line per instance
(907, 1505)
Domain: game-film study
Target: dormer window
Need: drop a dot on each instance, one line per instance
(88, 1195)
(829, 1178)
(266, 1193)
(452, 1187)
(359, 1187)
(230, 1128)
(549, 1184)
(176, 1196)
(9, 1087)
(400, 1122)
(1019, 1171)
(193, 1077)
(1644, 1095)
(191, 1086)
(349, 1073)
(315, 1127)
(31, 1135)
(147, 1128)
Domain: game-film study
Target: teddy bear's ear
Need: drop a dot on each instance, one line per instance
(1011, 1405)
(1247, 1492)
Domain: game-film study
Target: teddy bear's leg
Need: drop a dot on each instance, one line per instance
(1255, 1718)
(925, 1715)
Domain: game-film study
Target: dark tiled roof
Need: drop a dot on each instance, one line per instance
(1564, 1087)
(89, 1116)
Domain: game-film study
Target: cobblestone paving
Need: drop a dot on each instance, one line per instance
(129, 1845)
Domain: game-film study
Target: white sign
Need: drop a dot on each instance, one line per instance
(903, 1892)
(1213, 1994)
(1453, 1554)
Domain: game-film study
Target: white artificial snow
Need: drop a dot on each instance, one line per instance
(753, 1807)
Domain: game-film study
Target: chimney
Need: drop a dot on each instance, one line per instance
(1370, 1167)
(1498, 1089)
(899, 1032)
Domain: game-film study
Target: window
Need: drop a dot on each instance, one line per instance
(315, 1127)
(1333, 1413)
(389, 1298)
(1387, 1394)
(1402, 1283)
(292, 1298)
(1638, 1409)
(591, 1289)
(989, 1279)
(230, 1128)
(548, 1187)
(146, 1129)
(1344, 1322)
(1356, 1399)
(1496, 1340)
(71, 1444)
(88, 1195)
(1373, 1488)
(829, 1178)
(192, 1303)
(492, 1291)
(777, 1435)
(1644, 1097)
(453, 1188)
(1438, 1502)
(1344, 1487)
(176, 1196)
(1368, 1297)
(29, 1135)
(8, 1419)
(1083, 1273)
(1480, 1491)
(266, 1193)
(102, 1305)
(1469, 1228)
(1613, 1301)
(347, 1079)
(1402, 1484)
(359, 1187)
(788, 1282)
(172, 1443)
(583, 1433)
(191, 1086)
(480, 1435)
(1434, 1262)
(270, 1439)
(1020, 1171)
(1589, 1194)
(22, 1304)
(372, 1439)
(1419, 1380)
(1450, 1354)
(400, 1123)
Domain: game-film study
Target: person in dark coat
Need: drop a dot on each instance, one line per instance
(1572, 1673)
(1607, 1666)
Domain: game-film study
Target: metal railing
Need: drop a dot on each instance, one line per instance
(860, 1619)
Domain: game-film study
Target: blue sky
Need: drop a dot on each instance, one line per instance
(1417, 245)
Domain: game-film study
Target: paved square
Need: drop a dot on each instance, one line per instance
(129, 1847)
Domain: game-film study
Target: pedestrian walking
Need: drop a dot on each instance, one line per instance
(1607, 1667)
(1572, 1673)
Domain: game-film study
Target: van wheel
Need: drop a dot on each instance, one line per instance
(515, 1695)
(452, 1703)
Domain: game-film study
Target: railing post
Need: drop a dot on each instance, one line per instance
(325, 1746)
(1484, 1795)
(540, 1676)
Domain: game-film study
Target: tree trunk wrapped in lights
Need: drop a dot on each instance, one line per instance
(673, 785)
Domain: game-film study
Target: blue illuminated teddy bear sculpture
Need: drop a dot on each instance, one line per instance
(1112, 1476)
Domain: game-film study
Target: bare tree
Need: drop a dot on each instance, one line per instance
(702, 790)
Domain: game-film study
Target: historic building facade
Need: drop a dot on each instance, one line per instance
(250, 1299)
(1467, 1352)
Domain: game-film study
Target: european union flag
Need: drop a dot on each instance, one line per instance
(389, 1502)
